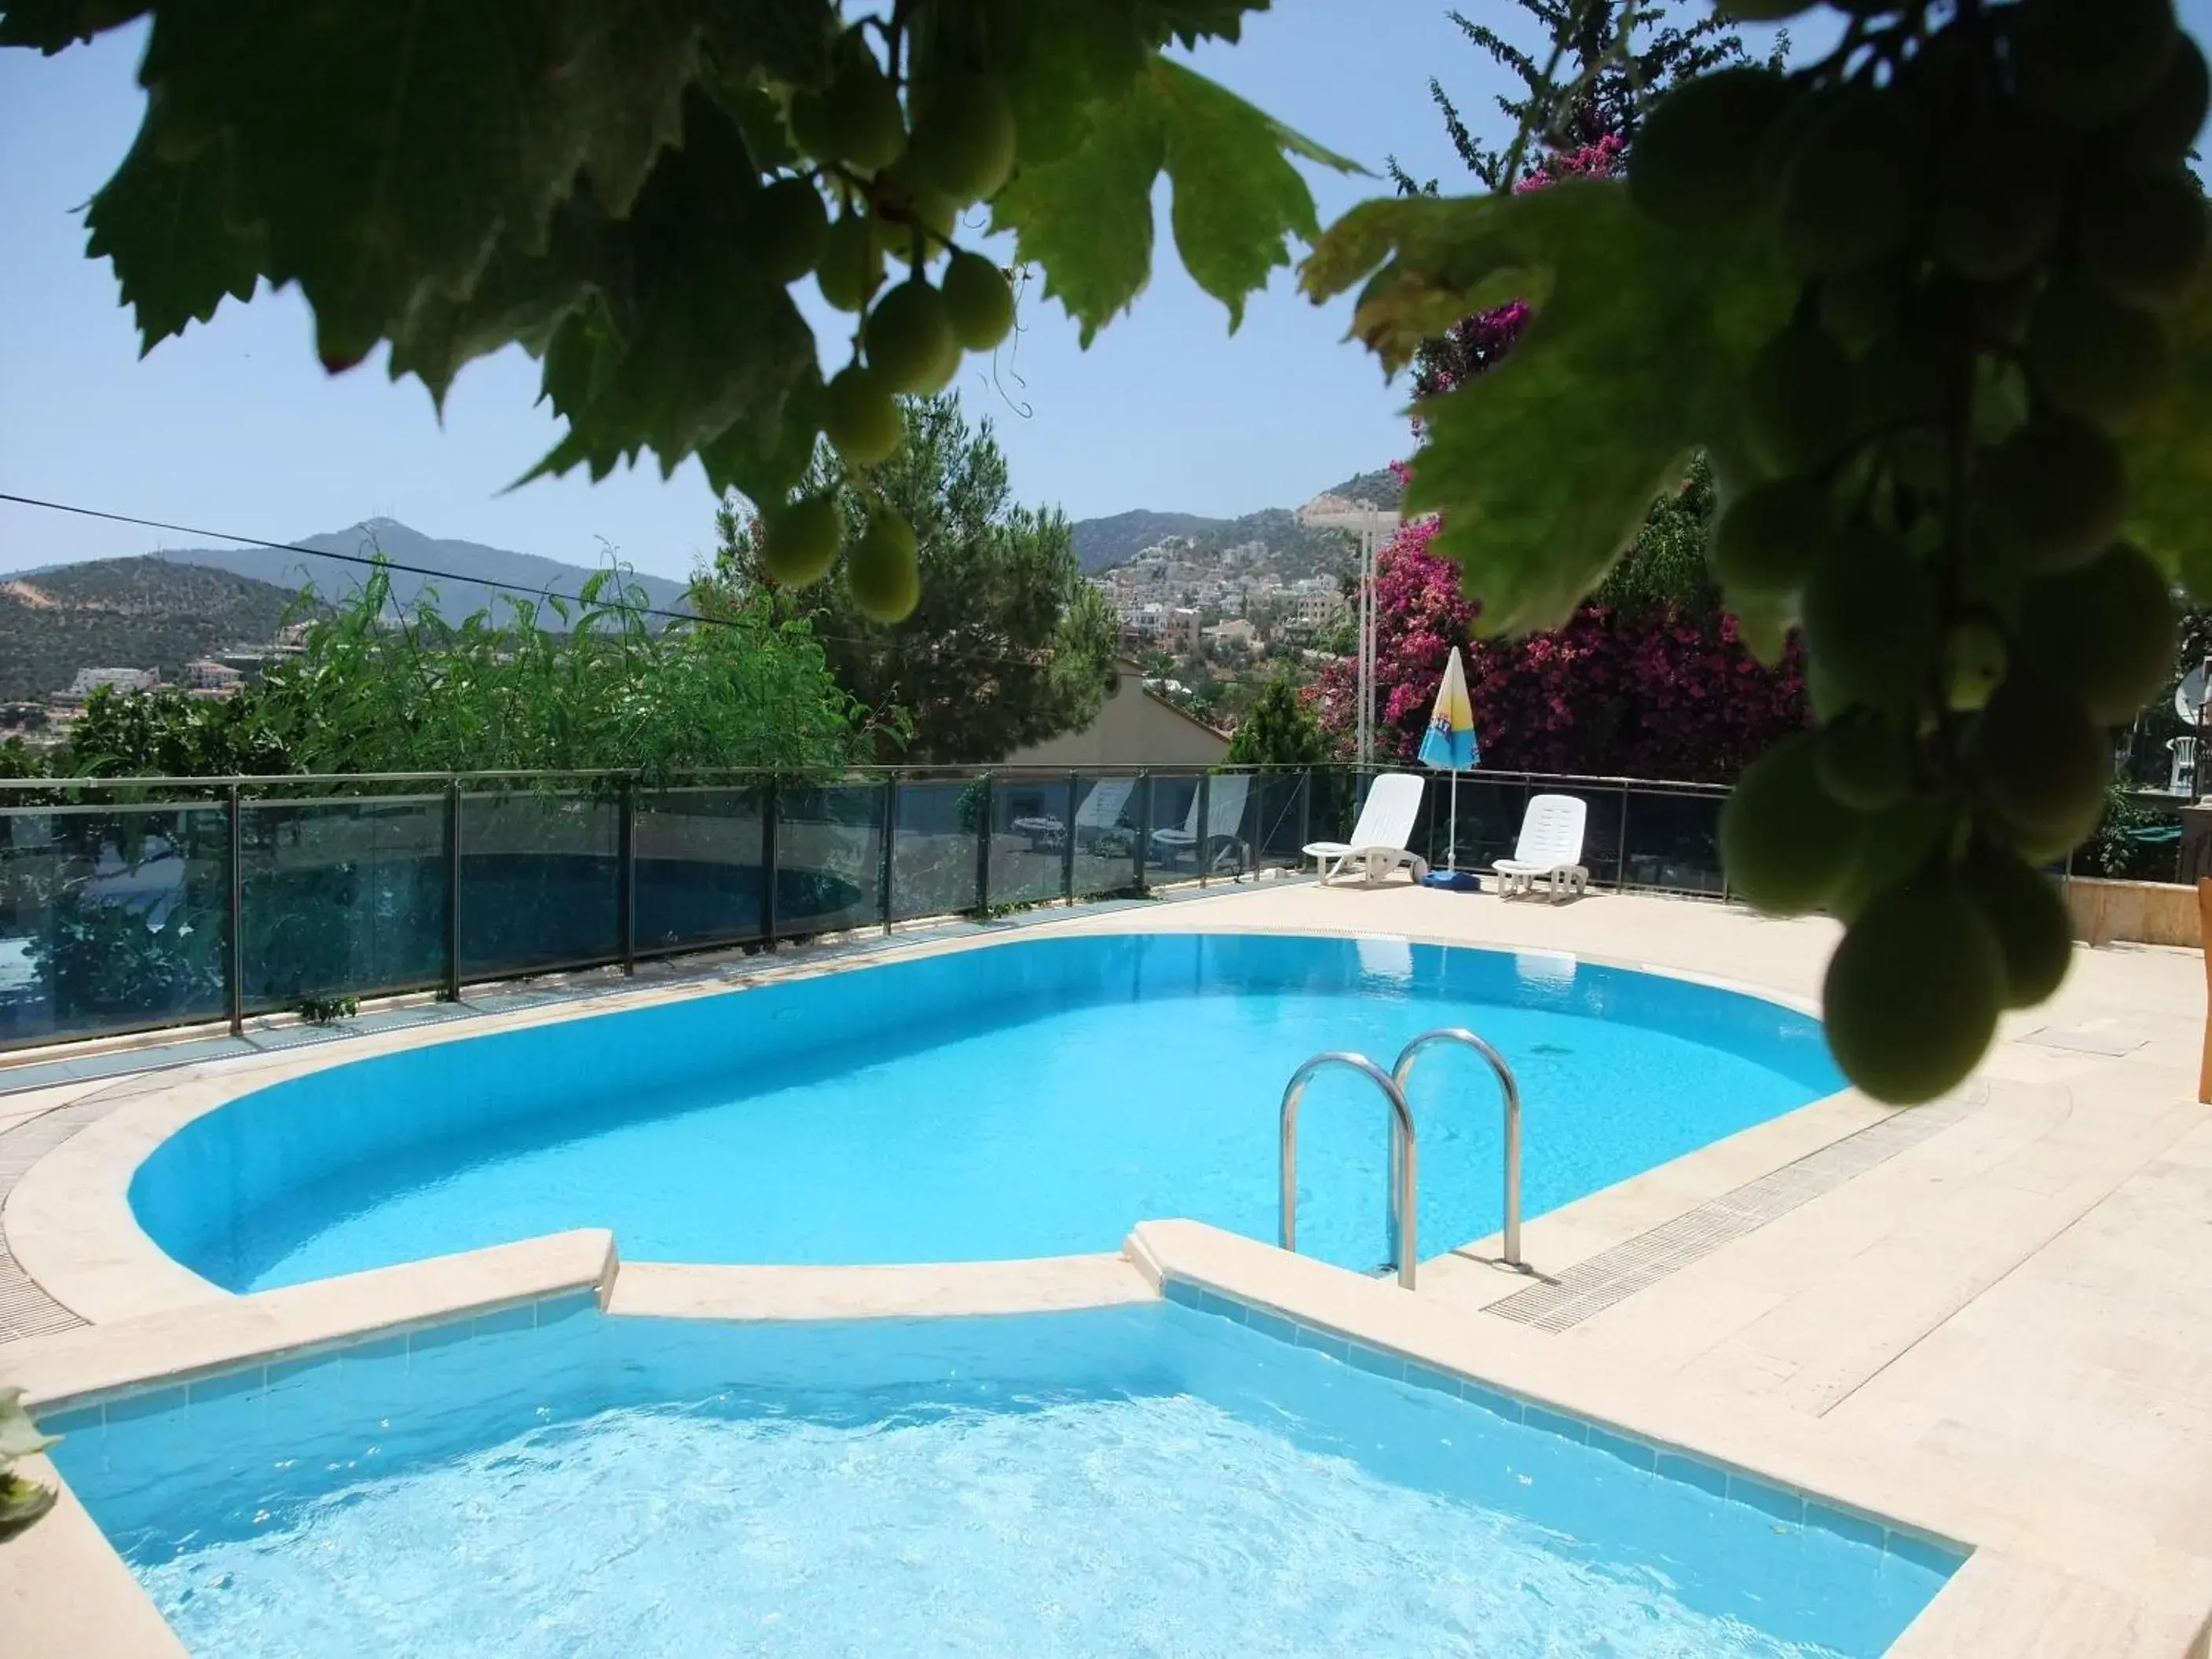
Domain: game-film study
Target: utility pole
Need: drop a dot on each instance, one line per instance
(1364, 729)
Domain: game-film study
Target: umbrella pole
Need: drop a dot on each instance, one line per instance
(1451, 840)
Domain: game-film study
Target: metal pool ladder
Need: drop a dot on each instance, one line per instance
(1511, 1093)
(1402, 1155)
(1403, 1184)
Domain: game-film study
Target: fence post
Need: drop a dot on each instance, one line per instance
(626, 854)
(453, 889)
(1067, 845)
(983, 851)
(1306, 815)
(890, 832)
(1621, 846)
(234, 966)
(1144, 827)
(767, 863)
(2204, 937)
(1205, 821)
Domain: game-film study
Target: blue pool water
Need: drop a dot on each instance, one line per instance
(1128, 1481)
(1026, 1099)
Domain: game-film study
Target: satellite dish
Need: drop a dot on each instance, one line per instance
(2193, 693)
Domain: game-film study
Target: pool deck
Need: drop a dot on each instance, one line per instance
(1991, 1318)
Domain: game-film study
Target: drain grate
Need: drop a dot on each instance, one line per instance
(1611, 1276)
(25, 1310)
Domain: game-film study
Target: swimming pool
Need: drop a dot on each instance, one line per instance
(1023, 1099)
(1145, 1480)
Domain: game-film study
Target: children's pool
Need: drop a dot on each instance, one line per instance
(1146, 1479)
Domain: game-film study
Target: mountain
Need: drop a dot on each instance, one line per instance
(1101, 544)
(126, 613)
(1302, 549)
(474, 574)
(1380, 487)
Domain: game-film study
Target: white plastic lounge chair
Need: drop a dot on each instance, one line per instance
(1550, 849)
(1224, 823)
(1378, 841)
(1101, 808)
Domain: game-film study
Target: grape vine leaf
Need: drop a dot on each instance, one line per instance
(1085, 215)
(1544, 467)
(2169, 464)
(168, 227)
(1235, 194)
(50, 25)
(1190, 22)
(386, 150)
(703, 338)
(574, 175)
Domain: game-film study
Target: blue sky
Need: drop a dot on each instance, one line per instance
(234, 427)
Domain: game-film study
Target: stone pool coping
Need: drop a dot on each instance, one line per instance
(2051, 1576)
(2036, 1581)
(70, 1224)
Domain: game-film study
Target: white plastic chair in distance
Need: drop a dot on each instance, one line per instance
(1225, 823)
(1101, 808)
(1378, 841)
(1550, 849)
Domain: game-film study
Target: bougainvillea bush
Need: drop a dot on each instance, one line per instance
(1649, 679)
(1664, 689)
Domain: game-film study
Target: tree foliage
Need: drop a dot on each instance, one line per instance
(1008, 646)
(1280, 729)
(379, 690)
(23, 1500)
(1587, 80)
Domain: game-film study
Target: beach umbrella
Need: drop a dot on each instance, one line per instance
(1449, 745)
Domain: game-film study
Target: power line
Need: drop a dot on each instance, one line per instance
(623, 603)
(348, 558)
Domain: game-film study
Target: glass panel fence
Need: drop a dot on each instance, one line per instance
(1030, 819)
(341, 898)
(828, 843)
(1280, 805)
(1233, 820)
(1337, 793)
(933, 852)
(111, 919)
(2138, 840)
(541, 882)
(1672, 843)
(114, 918)
(1602, 825)
(1171, 839)
(1107, 831)
(1488, 825)
(702, 866)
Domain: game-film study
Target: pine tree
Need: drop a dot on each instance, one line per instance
(1595, 90)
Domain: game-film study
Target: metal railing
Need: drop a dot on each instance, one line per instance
(1403, 1184)
(1510, 1098)
(132, 904)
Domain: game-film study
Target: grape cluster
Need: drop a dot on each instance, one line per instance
(1990, 216)
(898, 171)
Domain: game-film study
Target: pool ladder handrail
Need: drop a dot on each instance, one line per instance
(1402, 1155)
(1507, 1087)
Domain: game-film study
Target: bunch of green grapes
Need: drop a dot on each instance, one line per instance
(897, 163)
(1988, 209)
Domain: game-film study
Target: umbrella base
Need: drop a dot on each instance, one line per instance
(1454, 881)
